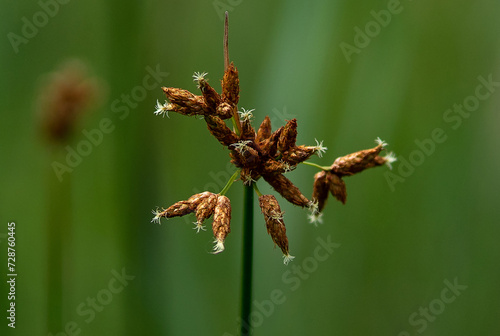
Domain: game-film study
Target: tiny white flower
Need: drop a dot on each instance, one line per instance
(248, 180)
(277, 216)
(161, 109)
(198, 77)
(156, 218)
(315, 218)
(389, 159)
(380, 142)
(219, 246)
(246, 115)
(241, 146)
(319, 148)
(287, 258)
(286, 167)
(198, 227)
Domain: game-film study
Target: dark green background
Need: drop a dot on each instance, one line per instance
(398, 245)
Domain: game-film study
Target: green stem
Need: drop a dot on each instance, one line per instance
(316, 165)
(247, 261)
(58, 241)
(230, 182)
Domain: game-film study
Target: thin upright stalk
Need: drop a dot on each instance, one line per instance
(58, 236)
(247, 261)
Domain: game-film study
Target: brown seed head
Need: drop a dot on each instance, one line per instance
(231, 86)
(186, 103)
(337, 187)
(224, 111)
(287, 189)
(358, 161)
(320, 189)
(298, 154)
(288, 136)
(221, 224)
(212, 98)
(264, 131)
(274, 221)
(205, 209)
(220, 131)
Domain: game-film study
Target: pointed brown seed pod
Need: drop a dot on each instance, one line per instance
(231, 86)
(279, 167)
(357, 162)
(298, 154)
(287, 189)
(205, 209)
(220, 131)
(182, 208)
(212, 98)
(270, 146)
(320, 189)
(221, 224)
(337, 187)
(247, 131)
(264, 131)
(186, 103)
(288, 136)
(274, 221)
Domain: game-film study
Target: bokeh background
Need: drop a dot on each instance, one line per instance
(403, 237)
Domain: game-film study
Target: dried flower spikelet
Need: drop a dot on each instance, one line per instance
(247, 131)
(264, 131)
(359, 161)
(272, 166)
(220, 131)
(212, 98)
(231, 86)
(224, 111)
(185, 102)
(286, 189)
(244, 154)
(270, 146)
(204, 210)
(337, 187)
(320, 189)
(221, 224)
(65, 95)
(248, 176)
(181, 208)
(298, 154)
(288, 136)
(274, 221)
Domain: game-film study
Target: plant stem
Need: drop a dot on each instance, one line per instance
(59, 237)
(316, 165)
(247, 261)
(230, 182)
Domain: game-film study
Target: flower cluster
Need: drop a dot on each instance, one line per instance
(256, 154)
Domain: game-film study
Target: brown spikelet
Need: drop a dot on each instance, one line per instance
(220, 131)
(358, 161)
(298, 154)
(337, 187)
(212, 98)
(231, 86)
(206, 208)
(320, 189)
(247, 131)
(185, 102)
(270, 146)
(225, 111)
(222, 220)
(182, 208)
(286, 189)
(264, 131)
(245, 156)
(288, 136)
(274, 221)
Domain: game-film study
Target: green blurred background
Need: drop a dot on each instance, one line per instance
(402, 237)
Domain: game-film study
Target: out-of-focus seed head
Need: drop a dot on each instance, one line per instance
(337, 187)
(320, 189)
